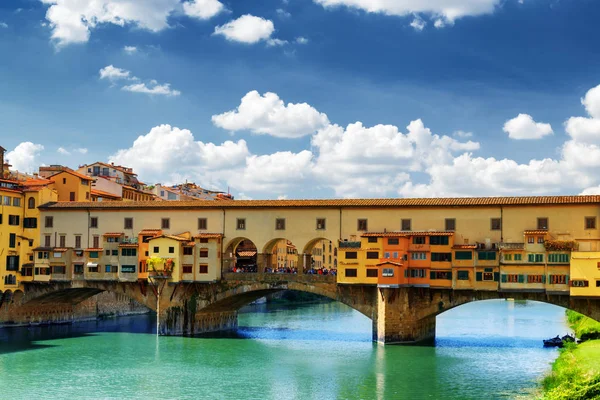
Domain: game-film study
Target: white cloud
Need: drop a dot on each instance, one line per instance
(283, 14)
(130, 49)
(591, 190)
(113, 73)
(203, 9)
(81, 150)
(3, 25)
(591, 101)
(24, 157)
(72, 21)
(418, 24)
(439, 23)
(269, 115)
(301, 40)
(587, 130)
(463, 134)
(63, 151)
(246, 29)
(524, 127)
(154, 89)
(276, 42)
(443, 10)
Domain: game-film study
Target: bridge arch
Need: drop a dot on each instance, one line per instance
(240, 252)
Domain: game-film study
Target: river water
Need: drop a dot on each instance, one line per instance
(483, 350)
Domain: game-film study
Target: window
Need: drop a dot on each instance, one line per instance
(16, 202)
(508, 257)
(518, 257)
(128, 269)
(405, 224)
(416, 273)
(94, 254)
(203, 253)
(441, 275)
(241, 223)
(203, 268)
(165, 223)
(96, 241)
(542, 223)
(488, 276)
(128, 252)
(350, 272)
(87, 195)
(78, 268)
(93, 268)
(71, 196)
(450, 224)
(93, 222)
(12, 240)
(486, 255)
(535, 278)
(558, 279)
(441, 257)
(77, 241)
(203, 240)
(128, 223)
(495, 224)
(13, 220)
(156, 249)
(362, 225)
(597, 283)
(58, 269)
(171, 249)
(462, 275)
(418, 240)
(387, 272)
(46, 240)
(31, 203)
(43, 255)
(590, 222)
(351, 255)
(386, 255)
(418, 256)
(393, 241)
(512, 278)
(371, 239)
(321, 223)
(29, 222)
(12, 263)
(580, 283)
(535, 258)
(438, 240)
(187, 268)
(540, 240)
(372, 255)
(558, 258)
(280, 224)
(108, 252)
(202, 224)
(64, 181)
(372, 273)
(530, 240)
(111, 269)
(62, 240)
(188, 251)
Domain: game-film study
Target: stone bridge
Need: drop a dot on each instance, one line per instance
(400, 315)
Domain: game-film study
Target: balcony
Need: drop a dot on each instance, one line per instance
(349, 245)
(132, 240)
(511, 246)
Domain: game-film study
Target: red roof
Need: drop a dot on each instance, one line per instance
(465, 246)
(208, 235)
(113, 234)
(536, 232)
(430, 233)
(74, 173)
(384, 234)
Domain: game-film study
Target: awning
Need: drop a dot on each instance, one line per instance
(92, 265)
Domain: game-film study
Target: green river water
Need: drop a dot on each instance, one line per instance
(483, 350)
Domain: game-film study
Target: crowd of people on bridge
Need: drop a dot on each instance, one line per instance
(283, 270)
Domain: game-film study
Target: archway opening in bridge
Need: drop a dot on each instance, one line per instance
(241, 255)
(501, 322)
(323, 256)
(281, 256)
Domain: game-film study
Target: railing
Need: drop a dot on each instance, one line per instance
(133, 240)
(511, 246)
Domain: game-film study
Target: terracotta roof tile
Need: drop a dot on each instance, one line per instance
(173, 237)
(113, 234)
(94, 249)
(60, 249)
(430, 233)
(336, 203)
(129, 245)
(246, 253)
(464, 246)
(74, 173)
(208, 235)
(384, 234)
(101, 193)
(390, 262)
(150, 231)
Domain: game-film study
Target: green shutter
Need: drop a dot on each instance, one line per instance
(489, 270)
(431, 275)
(503, 278)
(530, 258)
(496, 276)
(567, 280)
(521, 278)
(543, 278)
(479, 276)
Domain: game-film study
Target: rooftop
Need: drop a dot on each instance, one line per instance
(336, 203)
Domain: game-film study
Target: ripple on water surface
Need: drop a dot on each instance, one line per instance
(324, 351)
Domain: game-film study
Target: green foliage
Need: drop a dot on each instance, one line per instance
(585, 328)
(561, 245)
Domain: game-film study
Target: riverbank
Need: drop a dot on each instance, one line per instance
(576, 372)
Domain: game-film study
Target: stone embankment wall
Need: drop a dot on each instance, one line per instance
(104, 304)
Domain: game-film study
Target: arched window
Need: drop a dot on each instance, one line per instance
(31, 203)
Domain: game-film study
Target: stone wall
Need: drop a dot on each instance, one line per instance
(101, 305)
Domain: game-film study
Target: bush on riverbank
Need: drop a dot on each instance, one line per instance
(585, 328)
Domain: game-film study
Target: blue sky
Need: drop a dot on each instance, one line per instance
(411, 98)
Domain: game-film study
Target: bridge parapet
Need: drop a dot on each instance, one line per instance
(271, 278)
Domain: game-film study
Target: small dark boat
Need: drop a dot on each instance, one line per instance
(554, 342)
(568, 339)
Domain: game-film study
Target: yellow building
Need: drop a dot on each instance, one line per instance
(71, 186)
(585, 274)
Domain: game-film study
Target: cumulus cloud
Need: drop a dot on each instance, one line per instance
(269, 115)
(587, 130)
(445, 11)
(153, 89)
(65, 152)
(276, 42)
(283, 14)
(24, 157)
(130, 49)
(524, 127)
(246, 29)
(418, 24)
(3, 25)
(113, 74)
(301, 40)
(203, 9)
